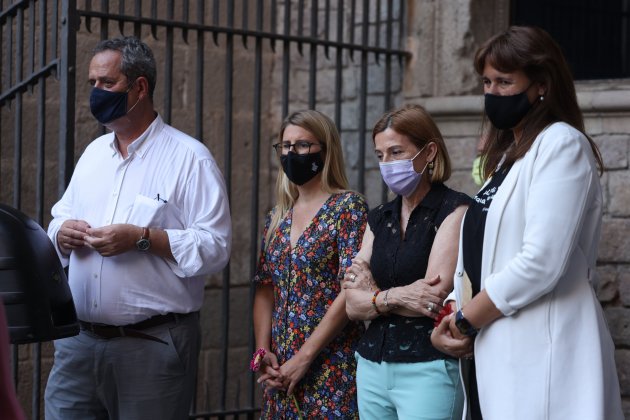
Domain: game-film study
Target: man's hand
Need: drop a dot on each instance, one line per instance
(72, 235)
(113, 239)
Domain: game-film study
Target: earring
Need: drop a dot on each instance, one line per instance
(431, 168)
(542, 98)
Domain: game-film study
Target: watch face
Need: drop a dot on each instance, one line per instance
(143, 244)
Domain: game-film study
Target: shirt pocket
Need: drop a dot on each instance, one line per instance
(147, 212)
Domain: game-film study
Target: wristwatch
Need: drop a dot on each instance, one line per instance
(463, 325)
(144, 243)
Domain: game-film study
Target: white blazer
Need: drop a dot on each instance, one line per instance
(551, 356)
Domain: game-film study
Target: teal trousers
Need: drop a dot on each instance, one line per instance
(419, 391)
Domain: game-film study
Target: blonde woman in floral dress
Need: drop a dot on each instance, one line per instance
(305, 340)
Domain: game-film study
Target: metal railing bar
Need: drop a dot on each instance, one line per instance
(185, 17)
(225, 292)
(17, 121)
(31, 42)
(12, 9)
(223, 413)
(199, 74)
(137, 11)
(286, 55)
(338, 66)
(168, 65)
(54, 31)
(255, 194)
(67, 78)
(121, 10)
(31, 80)
(363, 97)
(312, 73)
(105, 19)
(243, 32)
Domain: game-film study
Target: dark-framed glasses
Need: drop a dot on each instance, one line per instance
(301, 147)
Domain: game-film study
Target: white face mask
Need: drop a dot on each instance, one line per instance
(400, 176)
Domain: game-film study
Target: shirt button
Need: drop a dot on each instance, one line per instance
(459, 274)
(95, 276)
(95, 304)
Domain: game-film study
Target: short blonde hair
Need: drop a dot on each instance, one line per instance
(416, 123)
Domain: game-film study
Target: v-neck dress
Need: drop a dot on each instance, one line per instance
(306, 280)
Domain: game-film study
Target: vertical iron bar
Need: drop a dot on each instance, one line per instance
(67, 87)
(185, 17)
(168, 64)
(37, 379)
(121, 11)
(54, 29)
(256, 135)
(363, 95)
(245, 20)
(353, 13)
(388, 75)
(225, 292)
(17, 121)
(104, 21)
(31, 44)
(137, 28)
(339, 65)
(9, 54)
(286, 55)
(312, 74)
(41, 115)
(199, 73)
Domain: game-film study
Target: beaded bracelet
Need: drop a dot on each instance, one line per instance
(374, 301)
(257, 357)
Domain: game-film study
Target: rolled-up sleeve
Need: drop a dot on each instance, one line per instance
(203, 247)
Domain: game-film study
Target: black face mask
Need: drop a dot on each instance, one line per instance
(506, 112)
(301, 168)
(108, 106)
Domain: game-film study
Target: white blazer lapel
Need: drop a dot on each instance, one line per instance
(493, 221)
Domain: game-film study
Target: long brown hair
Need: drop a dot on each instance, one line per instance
(533, 51)
(416, 123)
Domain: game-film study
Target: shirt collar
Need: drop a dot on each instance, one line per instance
(140, 146)
(432, 200)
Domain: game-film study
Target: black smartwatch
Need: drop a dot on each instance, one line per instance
(463, 325)
(144, 243)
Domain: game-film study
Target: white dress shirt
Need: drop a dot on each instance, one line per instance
(192, 208)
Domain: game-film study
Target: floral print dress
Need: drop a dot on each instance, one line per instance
(306, 280)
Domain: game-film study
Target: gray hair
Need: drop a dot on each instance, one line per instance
(137, 58)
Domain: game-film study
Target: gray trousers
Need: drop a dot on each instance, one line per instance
(125, 378)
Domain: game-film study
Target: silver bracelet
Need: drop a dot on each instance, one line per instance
(385, 300)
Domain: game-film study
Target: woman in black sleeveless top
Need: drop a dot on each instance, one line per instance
(403, 272)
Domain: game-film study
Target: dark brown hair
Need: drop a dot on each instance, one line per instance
(533, 51)
(415, 122)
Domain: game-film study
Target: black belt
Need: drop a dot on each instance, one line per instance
(133, 330)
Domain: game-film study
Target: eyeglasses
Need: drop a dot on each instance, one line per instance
(301, 147)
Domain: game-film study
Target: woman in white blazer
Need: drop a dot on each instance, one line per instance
(528, 248)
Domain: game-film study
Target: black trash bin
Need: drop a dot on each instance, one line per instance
(33, 284)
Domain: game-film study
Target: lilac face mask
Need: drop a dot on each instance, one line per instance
(400, 176)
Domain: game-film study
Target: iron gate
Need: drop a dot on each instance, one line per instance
(231, 71)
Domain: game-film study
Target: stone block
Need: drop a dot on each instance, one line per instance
(614, 150)
(618, 182)
(619, 324)
(615, 241)
(607, 286)
(462, 151)
(622, 357)
(623, 284)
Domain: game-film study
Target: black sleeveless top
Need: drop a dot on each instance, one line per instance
(398, 262)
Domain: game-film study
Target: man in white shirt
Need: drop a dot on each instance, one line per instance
(144, 221)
